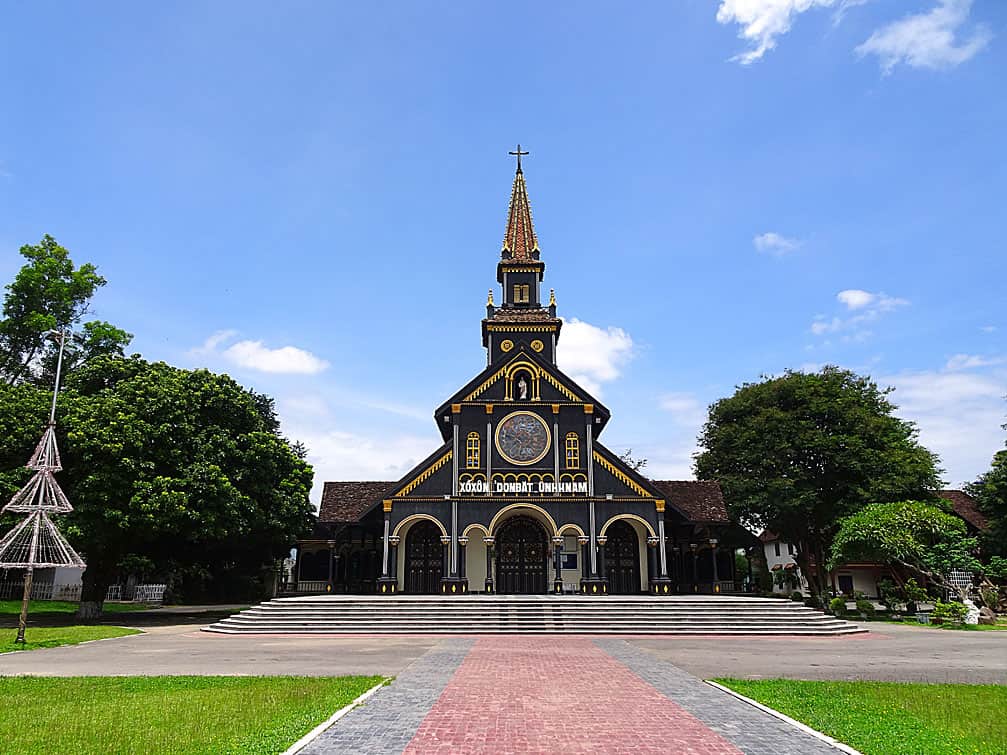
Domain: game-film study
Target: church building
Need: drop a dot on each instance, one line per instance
(522, 496)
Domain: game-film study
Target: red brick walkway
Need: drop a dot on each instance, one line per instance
(525, 694)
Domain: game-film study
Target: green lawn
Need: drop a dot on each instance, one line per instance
(162, 714)
(50, 637)
(13, 607)
(890, 718)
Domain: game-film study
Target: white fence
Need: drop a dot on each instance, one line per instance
(40, 591)
(153, 594)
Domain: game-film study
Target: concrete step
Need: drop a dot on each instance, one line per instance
(533, 614)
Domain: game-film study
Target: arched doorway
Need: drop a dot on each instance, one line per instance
(522, 552)
(424, 558)
(622, 559)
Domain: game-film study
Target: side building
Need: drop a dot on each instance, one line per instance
(521, 497)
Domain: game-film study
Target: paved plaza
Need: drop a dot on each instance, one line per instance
(534, 693)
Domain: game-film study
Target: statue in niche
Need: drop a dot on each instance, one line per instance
(522, 389)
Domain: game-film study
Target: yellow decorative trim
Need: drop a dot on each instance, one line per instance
(588, 408)
(489, 299)
(499, 516)
(522, 328)
(424, 475)
(509, 369)
(486, 384)
(620, 475)
(570, 526)
(506, 345)
(617, 517)
(555, 408)
(659, 503)
(537, 345)
(560, 387)
(456, 408)
(386, 504)
(489, 408)
(512, 269)
(415, 517)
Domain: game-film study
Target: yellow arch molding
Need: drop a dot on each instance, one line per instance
(640, 519)
(571, 526)
(511, 507)
(471, 527)
(412, 518)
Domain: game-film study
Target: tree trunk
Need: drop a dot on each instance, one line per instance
(760, 568)
(94, 586)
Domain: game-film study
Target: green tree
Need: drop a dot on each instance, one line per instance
(990, 492)
(181, 468)
(913, 536)
(50, 293)
(796, 453)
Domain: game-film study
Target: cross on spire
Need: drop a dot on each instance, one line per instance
(518, 156)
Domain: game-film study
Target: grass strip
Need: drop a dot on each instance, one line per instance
(13, 607)
(168, 714)
(891, 718)
(51, 637)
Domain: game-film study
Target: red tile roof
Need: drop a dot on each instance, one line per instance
(519, 238)
(347, 501)
(508, 314)
(700, 500)
(965, 506)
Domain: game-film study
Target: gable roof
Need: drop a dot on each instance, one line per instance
(493, 371)
(700, 500)
(348, 501)
(965, 506)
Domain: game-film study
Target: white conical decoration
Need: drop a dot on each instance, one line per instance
(36, 543)
(46, 454)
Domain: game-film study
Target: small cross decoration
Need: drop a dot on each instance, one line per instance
(518, 155)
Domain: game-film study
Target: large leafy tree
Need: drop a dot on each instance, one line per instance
(990, 492)
(911, 536)
(794, 454)
(49, 293)
(177, 469)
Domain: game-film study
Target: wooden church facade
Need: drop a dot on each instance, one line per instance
(521, 496)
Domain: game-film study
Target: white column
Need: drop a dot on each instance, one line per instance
(663, 552)
(454, 460)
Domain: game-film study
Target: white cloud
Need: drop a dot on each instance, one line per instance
(254, 355)
(685, 408)
(868, 306)
(971, 362)
(286, 359)
(959, 415)
(854, 298)
(762, 21)
(775, 244)
(927, 40)
(593, 355)
(988, 328)
(209, 346)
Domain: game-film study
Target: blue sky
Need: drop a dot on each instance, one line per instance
(311, 197)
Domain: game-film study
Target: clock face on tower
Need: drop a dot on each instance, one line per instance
(522, 438)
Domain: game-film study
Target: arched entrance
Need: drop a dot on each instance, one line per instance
(522, 554)
(622, 557)
(424, 558)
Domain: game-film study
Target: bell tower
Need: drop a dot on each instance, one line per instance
(520, 322)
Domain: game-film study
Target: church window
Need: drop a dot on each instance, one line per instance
(572, 451)
(472, 451)
(521, 294)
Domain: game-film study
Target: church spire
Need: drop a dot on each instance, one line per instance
(519, 241)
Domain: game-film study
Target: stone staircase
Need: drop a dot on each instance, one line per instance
(533, 614)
